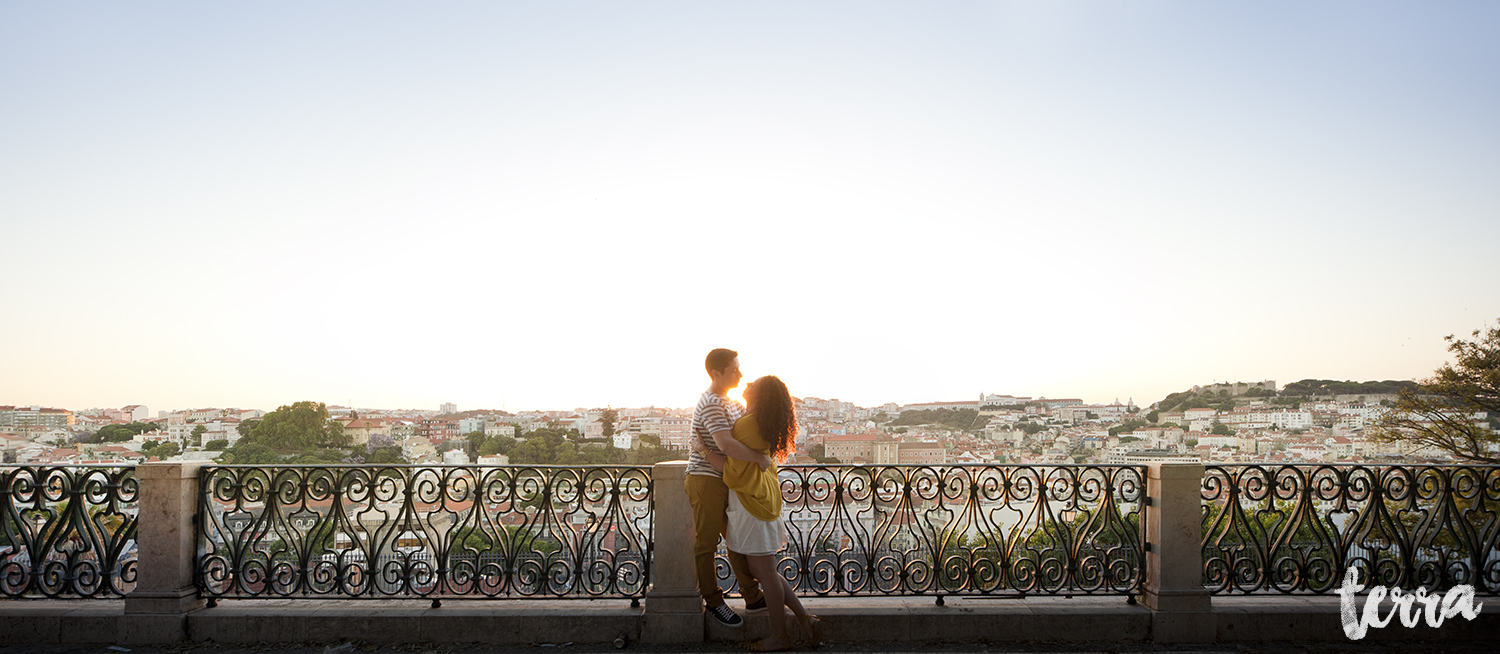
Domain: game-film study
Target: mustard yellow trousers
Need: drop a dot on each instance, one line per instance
(710, 500)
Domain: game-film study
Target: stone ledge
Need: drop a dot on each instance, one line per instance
(849, 620)
(62, 621)
(407, 621)
(919, 619)
(1316, 618)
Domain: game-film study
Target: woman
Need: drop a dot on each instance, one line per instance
(755, 530)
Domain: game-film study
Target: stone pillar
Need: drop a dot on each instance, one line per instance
(1182, 609)
(674, 609)
(166, 542)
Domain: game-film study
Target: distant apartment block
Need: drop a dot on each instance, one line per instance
(360, 430)
(16, 416)
(438, 429)
(953, 406)
(675, 431)
(131, 413)
(913, 454)
(496, 428)
(1001, 400)
(850, 448)
(1123, 456)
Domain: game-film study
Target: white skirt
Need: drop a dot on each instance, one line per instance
(750, 535)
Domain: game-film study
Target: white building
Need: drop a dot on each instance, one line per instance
(626, 440)
(1201, 413)
(1216, 441)
(137, 412)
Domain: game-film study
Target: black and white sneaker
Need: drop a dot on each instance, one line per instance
(725, 615)
(756, 608)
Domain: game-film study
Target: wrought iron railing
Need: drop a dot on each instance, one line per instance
(962, 530)
(1298, 528)
(424, 531)
(67, 531)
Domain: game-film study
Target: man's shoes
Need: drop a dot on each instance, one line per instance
(726, 616)
(756, 608)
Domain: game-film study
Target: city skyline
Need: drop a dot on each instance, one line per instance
(997, 399)
(506, 205)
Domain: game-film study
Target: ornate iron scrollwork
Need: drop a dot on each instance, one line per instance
(425, 531)
(1297, 528)
(67, 531)
(962, 529)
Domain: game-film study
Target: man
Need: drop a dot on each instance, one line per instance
(713, 422)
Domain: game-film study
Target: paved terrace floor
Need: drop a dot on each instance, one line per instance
(1290, 624)
(598, 648)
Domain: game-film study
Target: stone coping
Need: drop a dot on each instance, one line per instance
(912, 619)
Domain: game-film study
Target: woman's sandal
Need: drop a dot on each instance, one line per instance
(760, 646)
(814, 628)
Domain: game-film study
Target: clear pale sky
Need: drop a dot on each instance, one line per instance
(556, 205)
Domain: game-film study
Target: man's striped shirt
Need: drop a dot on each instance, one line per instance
(713, 413)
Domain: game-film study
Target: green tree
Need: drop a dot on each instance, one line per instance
(386, 454)
(198, 433)
(1330, 387)
(960, 419)
(1030, 427)
(121, 433)
(1221, 429)
(297, 427)
(161, 449)
(496, 445)
(381, 448)
(1152, 416)
(476, 440)
(319, 457)
(249, 453)
(545, 446)
(608, 418)
(216, 444)
(1439, 412)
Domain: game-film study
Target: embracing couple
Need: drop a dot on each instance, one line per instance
(733, 489)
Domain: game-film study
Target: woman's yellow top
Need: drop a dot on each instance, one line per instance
(759, 490)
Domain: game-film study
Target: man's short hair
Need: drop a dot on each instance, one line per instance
(719, 359)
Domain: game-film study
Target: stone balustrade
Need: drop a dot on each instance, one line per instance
(167, 602)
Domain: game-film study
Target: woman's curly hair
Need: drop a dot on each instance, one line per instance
(772, 405)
